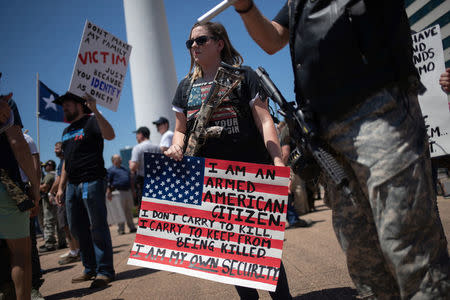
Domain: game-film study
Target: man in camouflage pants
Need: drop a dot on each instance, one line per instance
(389, 229)
(49, 212)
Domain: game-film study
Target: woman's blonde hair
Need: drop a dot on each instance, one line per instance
(228, 54)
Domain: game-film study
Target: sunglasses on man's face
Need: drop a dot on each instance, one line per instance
(201, 40)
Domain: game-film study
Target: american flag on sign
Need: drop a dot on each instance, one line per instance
(169, 180)
(213, 219)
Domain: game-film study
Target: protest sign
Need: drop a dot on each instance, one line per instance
(100, 67)
(213, 219)
(429, 61)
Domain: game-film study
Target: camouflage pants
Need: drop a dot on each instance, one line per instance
(390, 231)
(50, 228)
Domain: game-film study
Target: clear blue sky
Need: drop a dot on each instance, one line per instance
(43, 37)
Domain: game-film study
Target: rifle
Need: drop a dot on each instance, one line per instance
(225, 81)
(304, 135)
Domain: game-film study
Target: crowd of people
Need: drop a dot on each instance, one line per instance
(388, 228)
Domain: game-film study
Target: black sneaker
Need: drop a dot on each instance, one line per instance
(302, 223)
(62, 246)
(133, 230)
(47, 249)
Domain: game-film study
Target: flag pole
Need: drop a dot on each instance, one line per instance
(37, 111)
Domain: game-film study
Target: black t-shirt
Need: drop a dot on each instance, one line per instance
(8, 161)
(240, 139)
(282, 17)
(83, 151)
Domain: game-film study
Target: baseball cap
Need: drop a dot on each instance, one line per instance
(160, 121)
(50, 163)
(144, 131)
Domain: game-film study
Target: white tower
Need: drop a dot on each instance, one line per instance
(153, 76)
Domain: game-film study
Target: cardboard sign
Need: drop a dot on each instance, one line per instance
(100, 67)
(429, 61)
(213, 219)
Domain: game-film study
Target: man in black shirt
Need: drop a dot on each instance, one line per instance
(83, 180)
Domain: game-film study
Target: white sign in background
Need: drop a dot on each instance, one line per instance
(100, 67)
(429, 61)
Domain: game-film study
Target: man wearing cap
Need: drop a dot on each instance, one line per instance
(48, 209)
(162, 125)
(137, 158)
(83, 180)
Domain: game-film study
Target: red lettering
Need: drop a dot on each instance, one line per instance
(105, 54)
(94, 56)
(121, 59)
(83, 61)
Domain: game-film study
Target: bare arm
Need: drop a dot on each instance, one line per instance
(44, 188)
(269, 35)
(108, 193)
(175, 151)
(5, 111)
(133, 190)
(134, 165)
(37, 165)
(264, 123)
(62, 184)
(105, 128)
(54, 188)
(285, 151)
(23, 156)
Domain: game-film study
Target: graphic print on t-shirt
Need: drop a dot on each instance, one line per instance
(225, 116)
(75, 134)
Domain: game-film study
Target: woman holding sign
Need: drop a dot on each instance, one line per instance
(248, 132)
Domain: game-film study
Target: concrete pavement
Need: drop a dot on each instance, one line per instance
(314, 262)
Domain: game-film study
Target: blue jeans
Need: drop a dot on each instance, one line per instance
(291, 216)
(86, 215)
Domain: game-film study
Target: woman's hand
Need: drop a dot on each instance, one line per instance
(175, 152)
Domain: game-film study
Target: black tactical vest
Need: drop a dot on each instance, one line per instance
(344, 50)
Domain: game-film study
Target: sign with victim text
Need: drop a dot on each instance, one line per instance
(213, 219)
(100, 67)
(429, 62)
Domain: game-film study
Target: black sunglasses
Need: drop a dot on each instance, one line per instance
(200, 41)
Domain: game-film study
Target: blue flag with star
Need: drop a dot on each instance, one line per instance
(47, 109)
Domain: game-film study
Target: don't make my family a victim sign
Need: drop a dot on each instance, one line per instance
(213, 219)
(100, 67)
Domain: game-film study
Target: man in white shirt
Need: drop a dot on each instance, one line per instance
(162, 125)
(137, 158)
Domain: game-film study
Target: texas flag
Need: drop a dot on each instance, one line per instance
(47, 109)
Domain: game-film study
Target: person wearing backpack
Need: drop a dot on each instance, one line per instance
(355, 79)
(248, 133)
